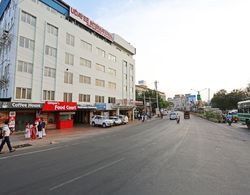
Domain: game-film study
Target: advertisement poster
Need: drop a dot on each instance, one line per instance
(12, 119)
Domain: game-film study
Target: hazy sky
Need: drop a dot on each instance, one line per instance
(183, 44)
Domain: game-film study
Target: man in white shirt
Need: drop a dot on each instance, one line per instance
(6, 137)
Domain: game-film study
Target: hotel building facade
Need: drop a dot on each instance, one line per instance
(58, 64)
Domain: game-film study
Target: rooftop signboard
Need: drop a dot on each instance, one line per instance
(73, 13)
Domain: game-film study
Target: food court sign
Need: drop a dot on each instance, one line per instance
(59, 106)
(90, 24)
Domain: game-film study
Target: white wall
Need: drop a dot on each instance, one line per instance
(38, 82)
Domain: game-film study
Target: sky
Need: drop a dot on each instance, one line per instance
(185, 45)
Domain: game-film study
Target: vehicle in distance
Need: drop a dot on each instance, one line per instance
(99, 120)
(124, 119)
(173, 116)
(116, 120)
(186, 115)
(244, 112)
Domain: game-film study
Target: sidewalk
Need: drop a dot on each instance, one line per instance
(55, 136)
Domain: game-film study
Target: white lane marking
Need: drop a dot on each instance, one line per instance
(86, 174)
(28, 153)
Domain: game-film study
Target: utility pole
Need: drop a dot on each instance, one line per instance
(144, 102)
(157, 102)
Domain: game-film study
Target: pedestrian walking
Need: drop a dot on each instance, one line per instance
(43, 127)
(27, 130)
(40, 130)
(6, 137)
(36, 125)
(33, 131)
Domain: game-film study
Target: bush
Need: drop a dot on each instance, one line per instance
(213, 116)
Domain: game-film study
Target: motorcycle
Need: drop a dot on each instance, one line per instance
(229, 121)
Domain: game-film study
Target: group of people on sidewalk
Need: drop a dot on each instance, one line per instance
(37, 129)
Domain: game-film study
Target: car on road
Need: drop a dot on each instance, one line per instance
(99, 120)
(124, 119)
(173, 116)
(116, 120)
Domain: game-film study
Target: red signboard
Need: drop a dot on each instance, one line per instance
(59, 106)
(90, 24)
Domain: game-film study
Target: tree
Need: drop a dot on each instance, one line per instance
(228, 101)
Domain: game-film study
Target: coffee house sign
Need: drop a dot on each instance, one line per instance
(20, 105)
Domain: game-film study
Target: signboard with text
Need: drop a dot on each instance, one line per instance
(59, 106)
(20, 105)
(90, 24)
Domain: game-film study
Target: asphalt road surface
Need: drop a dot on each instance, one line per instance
(154, 157)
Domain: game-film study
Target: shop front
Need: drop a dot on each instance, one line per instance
(60, 115)
(18, 113)
(84, 114)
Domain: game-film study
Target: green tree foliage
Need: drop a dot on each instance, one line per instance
(150, 96)
(228, 101)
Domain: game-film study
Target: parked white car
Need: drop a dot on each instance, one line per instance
(116, 120)
(124, 119)
(99, 120)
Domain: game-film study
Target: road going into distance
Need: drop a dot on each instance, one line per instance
(155, 157)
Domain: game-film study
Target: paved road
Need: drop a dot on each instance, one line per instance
(154, 157)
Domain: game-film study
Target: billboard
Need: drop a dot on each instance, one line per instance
(192, 99)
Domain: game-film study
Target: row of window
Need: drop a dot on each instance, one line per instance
(68, 76)
(70, 39)
(25, 93)
(27, 67)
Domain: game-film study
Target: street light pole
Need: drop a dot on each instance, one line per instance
(157, 102)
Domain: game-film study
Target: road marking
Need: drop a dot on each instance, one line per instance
(28, 153)
(86, 174)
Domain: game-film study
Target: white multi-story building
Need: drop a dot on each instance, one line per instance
(51, 52)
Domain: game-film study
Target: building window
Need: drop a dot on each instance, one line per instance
(23, 93)
(111, 100)
(125, 76)
(50, 51)
(25, 67)
(112, 57)
(25, 17)
(48, 95)
(84, 98)
(50, 72)
(111, 71)
(67, 97)
(99, 99)
(100, 67)
(131, 67)
(69, 59)
(68, 77)
(52, 30)
(70, 39)
(84, 79)
(100, 83)
(112, 85)
(26, 43)
(86, 45)
(84, 62)
(100, 52)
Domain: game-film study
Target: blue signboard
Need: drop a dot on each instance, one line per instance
(56, 5)
(3, 5)
(192, 99)
(100, 106)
